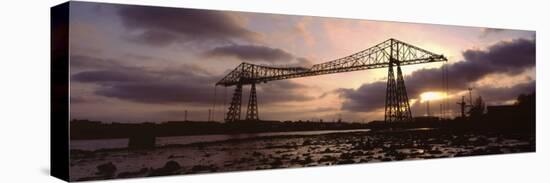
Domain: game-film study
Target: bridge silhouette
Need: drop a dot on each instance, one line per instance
(390, 53)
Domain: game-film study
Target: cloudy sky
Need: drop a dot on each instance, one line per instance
(137, 63)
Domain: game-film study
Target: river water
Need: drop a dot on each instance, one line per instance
(92, 145)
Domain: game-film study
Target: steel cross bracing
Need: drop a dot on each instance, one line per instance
(375, 57)
(389, 53)
(234, 113)
(252, 110)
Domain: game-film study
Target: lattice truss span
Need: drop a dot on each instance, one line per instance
(390, 53)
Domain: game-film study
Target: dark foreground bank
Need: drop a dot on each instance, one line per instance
(298, 151)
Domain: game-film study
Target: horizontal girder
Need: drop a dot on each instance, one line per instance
(379, 56)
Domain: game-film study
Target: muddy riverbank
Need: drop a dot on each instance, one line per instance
(294, 151)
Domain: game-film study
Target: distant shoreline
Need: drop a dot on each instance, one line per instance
(95, 130)
(225, 141)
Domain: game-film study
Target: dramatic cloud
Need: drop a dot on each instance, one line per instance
(512, 92)
(161, 93)
(87, 62)
(510, 58)
(251, 53)
(255, 53)
(488, 31)
(148, 86)
(164, 26)
(368, 97)
(110, 76)
(283, 91)
(79, 99)
(170, 85)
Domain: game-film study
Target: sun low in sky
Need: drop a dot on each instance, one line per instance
(432, 96)
(140, 63)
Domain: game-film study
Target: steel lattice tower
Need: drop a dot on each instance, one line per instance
(397, 102)
(252, 110)
(234, 113)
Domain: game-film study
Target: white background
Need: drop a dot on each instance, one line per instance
(24, 92)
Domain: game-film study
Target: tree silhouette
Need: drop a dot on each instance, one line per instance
(478, 108)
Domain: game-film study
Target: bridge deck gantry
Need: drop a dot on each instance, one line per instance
(390, 53)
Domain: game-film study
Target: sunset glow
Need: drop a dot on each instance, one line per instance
(431, 96)
(157, 91)
(160, 69)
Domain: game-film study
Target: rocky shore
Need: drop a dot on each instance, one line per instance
(295, 151)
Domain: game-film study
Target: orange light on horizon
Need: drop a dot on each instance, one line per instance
(431, 96)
